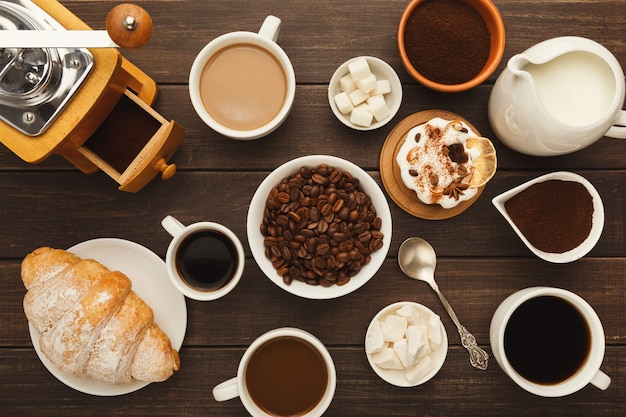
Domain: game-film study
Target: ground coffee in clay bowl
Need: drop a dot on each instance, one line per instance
(451, 45)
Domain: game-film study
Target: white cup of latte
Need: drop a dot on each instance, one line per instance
(549, 341)
(284, 372)
(242, 84)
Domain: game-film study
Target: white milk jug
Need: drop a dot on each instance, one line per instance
(558, 97)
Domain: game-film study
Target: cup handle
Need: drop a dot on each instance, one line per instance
(601, 380)
(618, 130)
(270, 28)
(227, 390)
(173, 226)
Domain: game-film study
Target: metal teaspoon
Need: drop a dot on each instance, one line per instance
(417, 259)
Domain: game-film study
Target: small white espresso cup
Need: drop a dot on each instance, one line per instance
(202, 244)
(588, 371)
(258, 352)
(264, 39)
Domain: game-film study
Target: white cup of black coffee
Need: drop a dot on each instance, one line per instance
(204, 260)
(284, 372)
(549, 341)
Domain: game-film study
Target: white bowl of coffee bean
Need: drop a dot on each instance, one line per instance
(319, 227)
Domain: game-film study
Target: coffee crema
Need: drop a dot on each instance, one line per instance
(286, 376)
(547, 340)
(243, 86)
(206, 260)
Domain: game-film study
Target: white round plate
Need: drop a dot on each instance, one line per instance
(396, 376)
(150, 281)
(255, 218)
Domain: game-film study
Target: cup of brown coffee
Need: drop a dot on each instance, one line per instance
(549, 341)
(204, 260)
(242, 84)
(284, 372)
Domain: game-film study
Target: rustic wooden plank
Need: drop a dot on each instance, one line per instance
(64, 208)
(457, 390)
(311, 128)
(474, 286)
(319, 35)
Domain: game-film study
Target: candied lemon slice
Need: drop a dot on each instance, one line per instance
(485, 164)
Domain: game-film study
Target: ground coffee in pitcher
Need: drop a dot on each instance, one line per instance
(555, 215)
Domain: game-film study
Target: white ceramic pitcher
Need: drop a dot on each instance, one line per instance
(558, 97)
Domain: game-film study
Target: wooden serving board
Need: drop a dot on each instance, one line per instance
(390, 171)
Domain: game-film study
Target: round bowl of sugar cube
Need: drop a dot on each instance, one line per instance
(406, 344)
(365, 93)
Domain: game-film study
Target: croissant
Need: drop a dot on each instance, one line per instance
(91, 322)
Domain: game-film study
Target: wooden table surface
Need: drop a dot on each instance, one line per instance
(481, 261)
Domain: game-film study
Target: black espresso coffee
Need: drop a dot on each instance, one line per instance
(547, 340)
(286, 376)
(206, 260)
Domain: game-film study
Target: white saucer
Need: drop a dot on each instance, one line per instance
(150, 281)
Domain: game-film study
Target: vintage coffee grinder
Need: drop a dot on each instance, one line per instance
(75, 95)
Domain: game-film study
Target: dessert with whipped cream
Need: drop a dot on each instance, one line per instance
(436, 162)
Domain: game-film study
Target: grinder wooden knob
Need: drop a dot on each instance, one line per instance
(167, 171)
(129, 25)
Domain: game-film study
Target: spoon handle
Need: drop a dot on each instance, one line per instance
(478, 357)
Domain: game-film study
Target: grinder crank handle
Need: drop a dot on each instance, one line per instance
(127, 26)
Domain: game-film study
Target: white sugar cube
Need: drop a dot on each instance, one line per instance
(374, 340)
(434, 329)
(417, 339)
(382, 87)
(347, 84)
(393, 327)
(420, 370)
(361, 116)
(358, 97)
(343, 102)
(359, 69)
(378, 107)
(401, 348)
(367, 83)
(387, 359)
(410, 313)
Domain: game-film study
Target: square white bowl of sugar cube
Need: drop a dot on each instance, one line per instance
(365, 93)
(406, 344)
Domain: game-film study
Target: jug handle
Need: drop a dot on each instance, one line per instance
(618, 130)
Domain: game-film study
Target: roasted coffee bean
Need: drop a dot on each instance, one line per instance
(326, 209)
(283, 197)
(343, 257)
(335, 176)
(346, 245)
(295, 216)
(322, 249)
(318, 178)
(320, 227)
